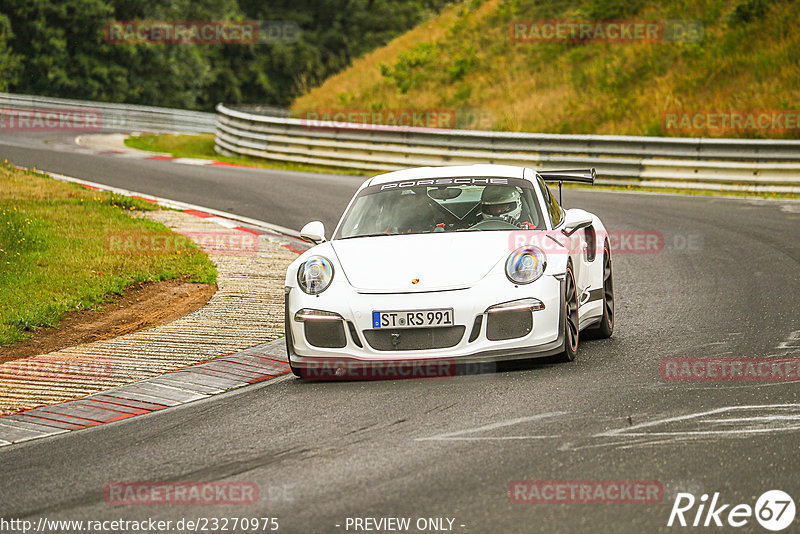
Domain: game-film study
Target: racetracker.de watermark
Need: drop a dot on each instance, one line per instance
(729, 121)
(619, 241)
(227, 32)
(384, 119)
(394, 120)
(391, 370)
(227, 242)
(50, 120)
(715, 369)
(610, 31)
(56, 367)
(180, 493)
(148, 525)
(585, 492)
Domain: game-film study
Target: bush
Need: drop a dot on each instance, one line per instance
(411, 66)
(749, 11)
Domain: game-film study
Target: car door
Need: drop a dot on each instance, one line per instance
(579, 251)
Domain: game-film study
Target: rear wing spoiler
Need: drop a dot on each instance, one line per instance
(581, 176)
(578, 176)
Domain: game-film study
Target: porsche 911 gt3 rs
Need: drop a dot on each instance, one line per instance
(463, 264)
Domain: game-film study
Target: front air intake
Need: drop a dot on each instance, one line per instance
(415, 338)
(476, 328)
(508, 324)
(325, 334)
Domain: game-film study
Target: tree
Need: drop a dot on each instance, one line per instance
(61, 49)
(9, 62)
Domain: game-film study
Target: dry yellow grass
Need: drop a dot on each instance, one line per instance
(594, 87)
(337, 90)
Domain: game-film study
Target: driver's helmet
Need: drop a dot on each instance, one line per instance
(501, 202)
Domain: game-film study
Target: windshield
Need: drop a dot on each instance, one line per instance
(441, 205)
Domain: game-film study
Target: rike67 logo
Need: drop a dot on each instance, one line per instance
(774, 510)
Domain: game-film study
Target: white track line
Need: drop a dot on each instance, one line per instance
(493, 426)
(176, 204)
(629, 430)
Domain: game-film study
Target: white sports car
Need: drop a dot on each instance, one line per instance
(431, 269)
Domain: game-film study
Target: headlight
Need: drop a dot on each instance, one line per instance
(315, 275)
(525, 265)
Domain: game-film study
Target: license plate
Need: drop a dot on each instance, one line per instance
(413, 318)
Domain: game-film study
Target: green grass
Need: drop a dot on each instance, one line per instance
(681, 191)
(181, 146)
(56, 253)
(202, 146)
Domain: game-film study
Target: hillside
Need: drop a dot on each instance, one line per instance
(742, 65)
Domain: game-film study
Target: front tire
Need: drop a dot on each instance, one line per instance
(295, 370)
(289, 347)
(571, 331)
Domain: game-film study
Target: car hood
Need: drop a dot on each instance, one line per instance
(437, 261)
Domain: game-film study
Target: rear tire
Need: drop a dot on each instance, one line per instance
(570, 326)
(606, 326)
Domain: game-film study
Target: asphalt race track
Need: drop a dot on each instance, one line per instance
(726, 283)
(291, 197)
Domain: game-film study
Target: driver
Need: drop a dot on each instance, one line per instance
(501, 202)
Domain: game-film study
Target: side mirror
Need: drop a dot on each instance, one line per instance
(576, 219)
(314, 232)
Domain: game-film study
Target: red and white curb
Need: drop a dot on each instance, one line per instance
(114, 145)
(201, 381)
(286, 237)
(197, 161)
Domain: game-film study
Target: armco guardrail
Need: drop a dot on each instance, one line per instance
(108, 116)
(662, 161)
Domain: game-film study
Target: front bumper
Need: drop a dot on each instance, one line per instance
(473, 344)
